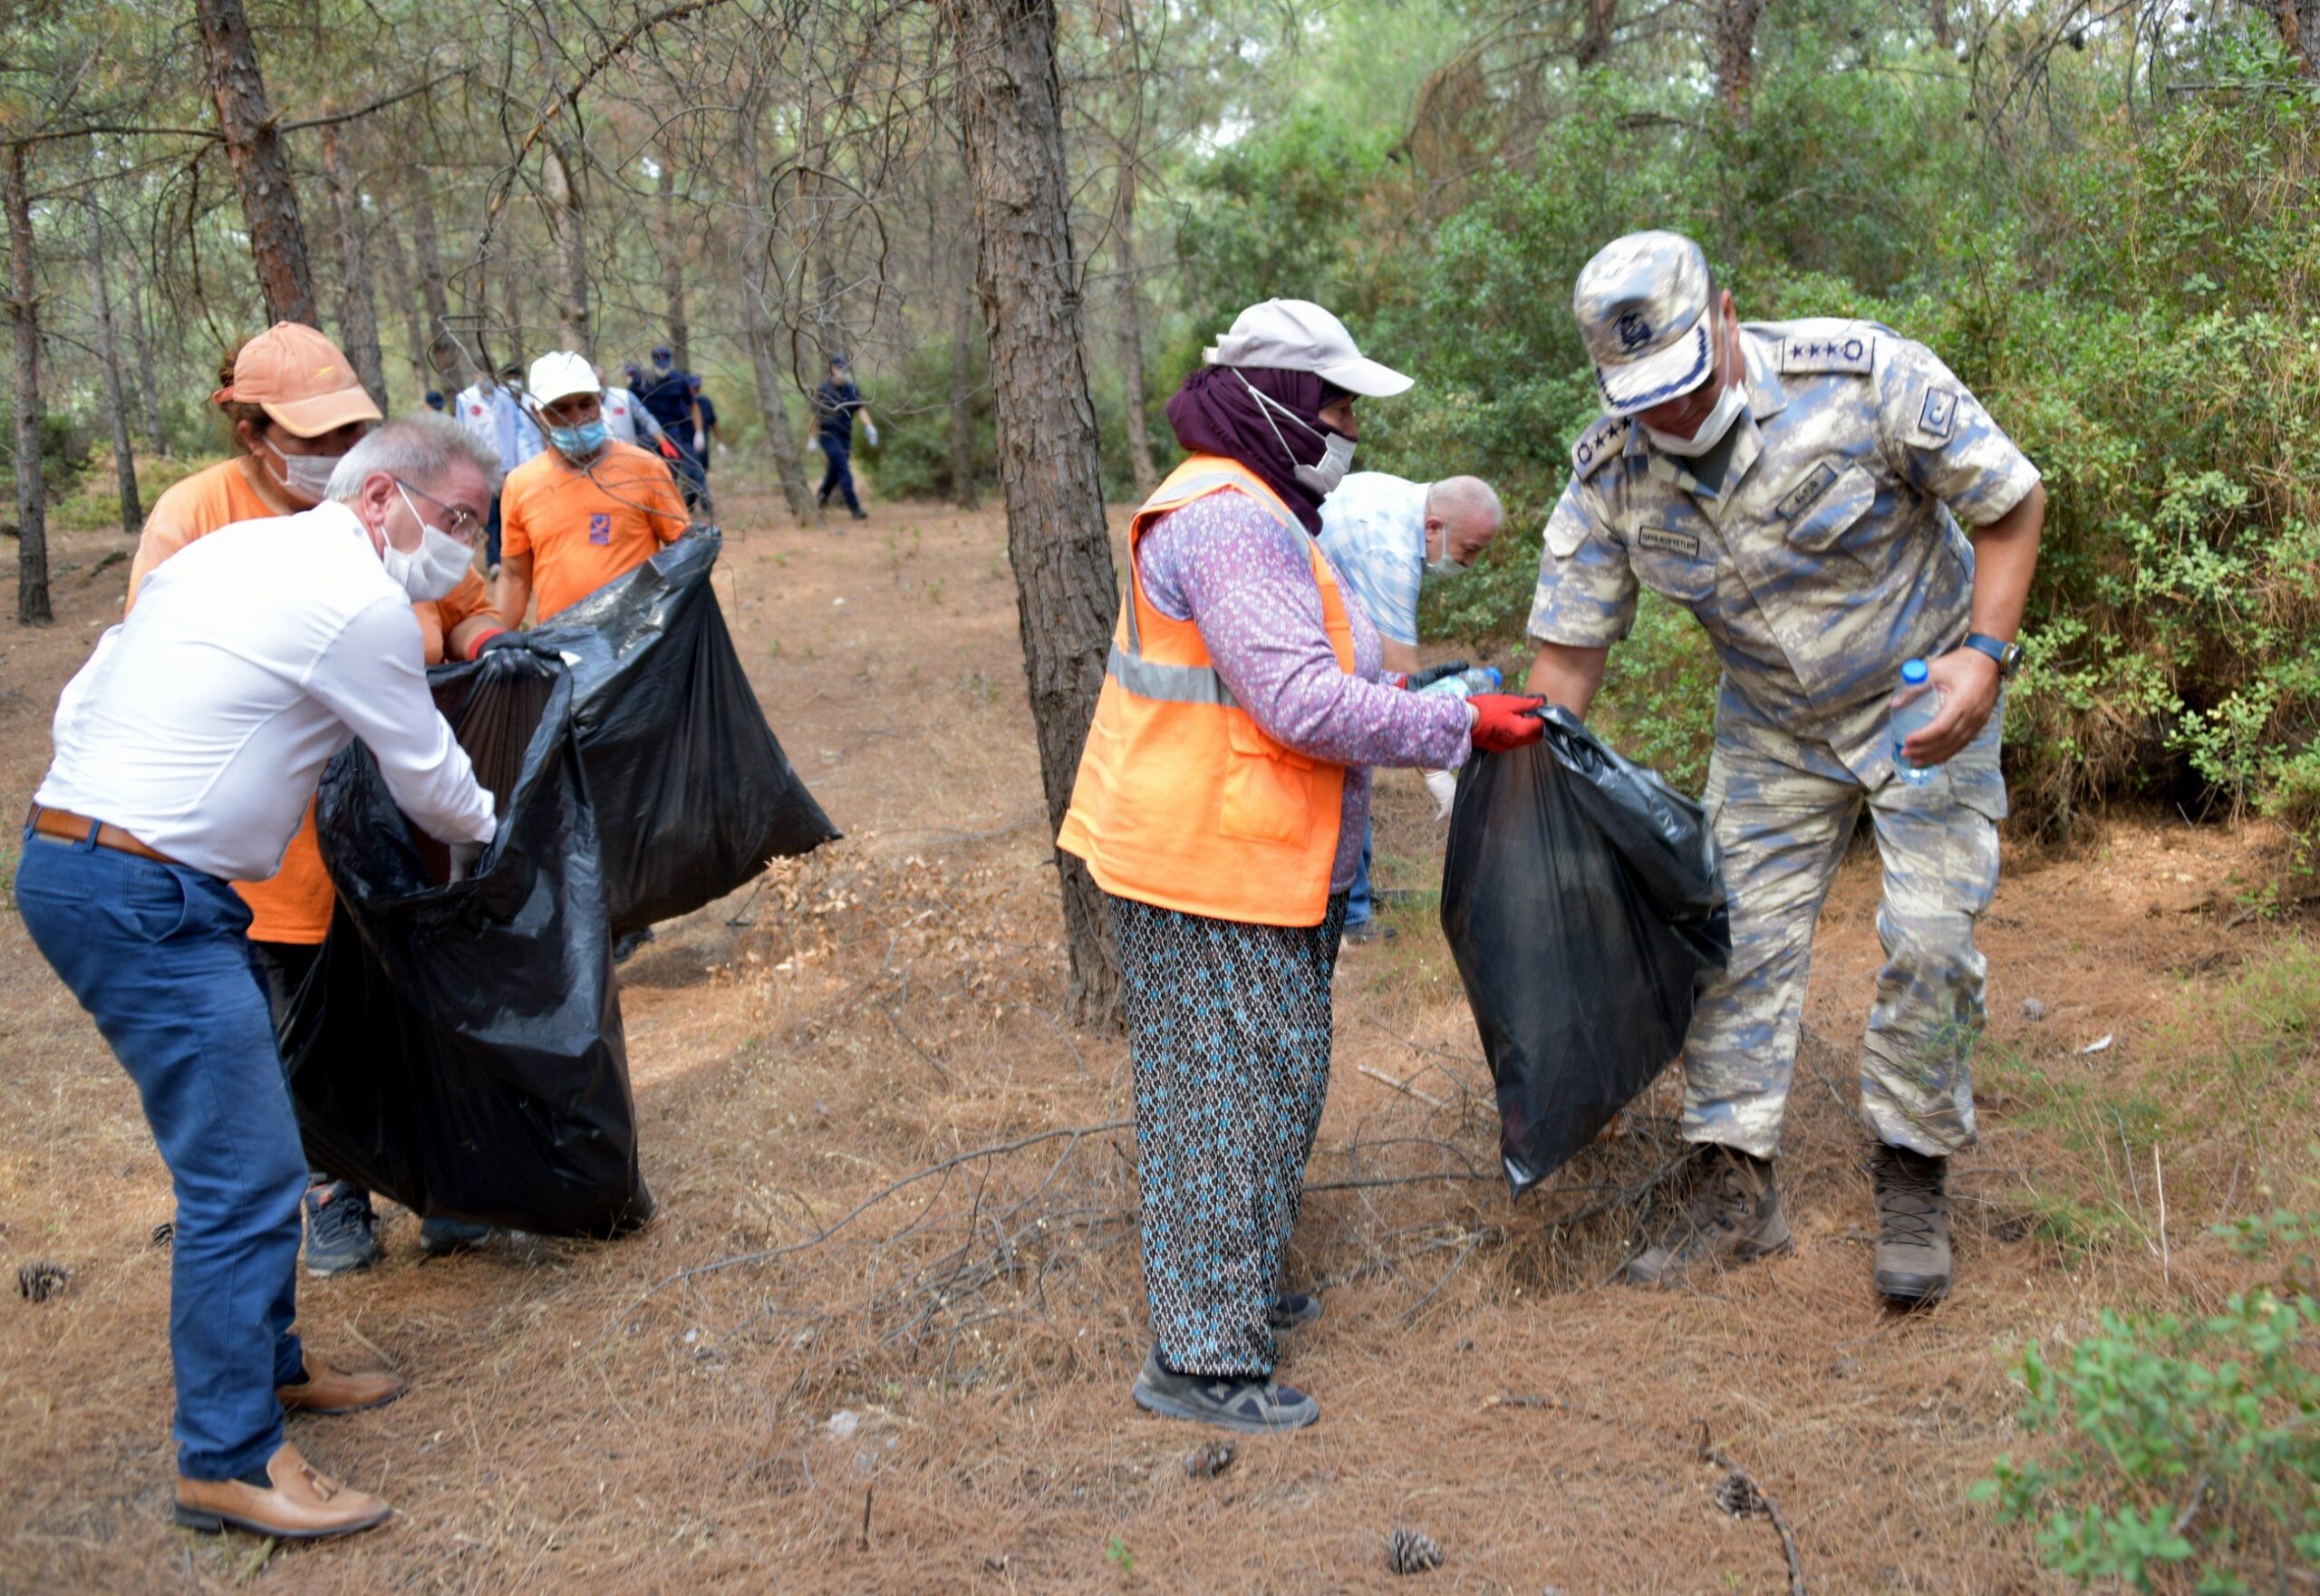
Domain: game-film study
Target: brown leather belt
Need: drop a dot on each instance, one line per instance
(67, 827)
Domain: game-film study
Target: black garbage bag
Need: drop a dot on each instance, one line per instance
(1583, 900)
(458, 1047)
(693, 796)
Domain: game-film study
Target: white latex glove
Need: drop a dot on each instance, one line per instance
(722, 450)
(463, 858)
(815, 443)
(700, 441)
(1443, 786)
(870, 431)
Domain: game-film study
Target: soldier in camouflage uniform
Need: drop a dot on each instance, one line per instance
(1830, 501)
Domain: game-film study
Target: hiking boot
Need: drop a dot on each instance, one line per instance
(1733, 1217)
(1228, 1402)
(342, 1232)
(1913, 1225)
(1291, 1309)
(440, 1238)
(290, 1499)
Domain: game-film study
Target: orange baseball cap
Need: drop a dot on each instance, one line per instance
(299, 378)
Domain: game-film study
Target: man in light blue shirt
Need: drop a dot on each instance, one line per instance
(1382, 535)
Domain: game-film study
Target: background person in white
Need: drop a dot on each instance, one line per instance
(187, 750)
(1383, 536)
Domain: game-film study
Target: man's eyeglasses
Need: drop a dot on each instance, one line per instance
(459, 521)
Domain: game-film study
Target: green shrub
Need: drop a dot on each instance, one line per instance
(2184, 1446)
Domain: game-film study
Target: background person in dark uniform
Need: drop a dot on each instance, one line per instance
(836, 404)
(668, 394)
(711, 441)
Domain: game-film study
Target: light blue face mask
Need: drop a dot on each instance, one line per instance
(581, 442)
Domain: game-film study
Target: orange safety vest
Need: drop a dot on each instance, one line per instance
(1183, 800)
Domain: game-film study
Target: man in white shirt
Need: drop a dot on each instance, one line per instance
(187, 750)
(1383, 536)
(495, 415)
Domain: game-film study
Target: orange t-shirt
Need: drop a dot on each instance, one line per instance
(584, 528)
(293, 904)
(213, 497)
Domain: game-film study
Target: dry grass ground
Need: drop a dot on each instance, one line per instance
(769, 1390)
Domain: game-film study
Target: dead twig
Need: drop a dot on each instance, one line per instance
(1710, 1453)
(1401, 1086)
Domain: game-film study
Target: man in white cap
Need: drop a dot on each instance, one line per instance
(586, 510)
(1800, 487)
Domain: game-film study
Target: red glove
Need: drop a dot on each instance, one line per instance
(669, 450)
(1506, 720)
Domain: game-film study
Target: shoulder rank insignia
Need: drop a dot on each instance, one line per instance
(1598, 443)
(1845, 347)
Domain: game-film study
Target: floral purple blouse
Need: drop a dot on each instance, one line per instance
(1222, 563)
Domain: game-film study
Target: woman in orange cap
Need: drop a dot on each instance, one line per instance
(293, 407)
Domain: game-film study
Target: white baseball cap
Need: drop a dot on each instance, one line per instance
(1298, 336)
(560, 374)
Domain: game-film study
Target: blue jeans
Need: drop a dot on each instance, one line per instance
(158, 955)
(1357, 905)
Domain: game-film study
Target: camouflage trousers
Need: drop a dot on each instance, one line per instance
(1784, 809)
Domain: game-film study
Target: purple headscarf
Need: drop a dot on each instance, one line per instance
(1214, 413)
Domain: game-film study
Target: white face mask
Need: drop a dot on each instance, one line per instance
(1337, 450)
(305, 475)
(1442, 565)
(432, 570)
(1729, 405)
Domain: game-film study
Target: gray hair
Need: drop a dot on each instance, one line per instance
(1465, 498)
(418, 450)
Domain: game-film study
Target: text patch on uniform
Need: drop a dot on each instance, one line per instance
(1668, 540)
(1806, 493)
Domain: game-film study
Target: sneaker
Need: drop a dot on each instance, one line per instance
(1291, 1309)
(440, 1238)
(623, 946)
(1912, 1262)
(342, 1232)
(1370, 930)
(861, 514)
(1733, 1217)
(1230, 1403)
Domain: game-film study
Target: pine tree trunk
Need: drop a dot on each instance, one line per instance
(965, 330)
(149, 395)
(133, 513)
(1139, 440)
(254, 146)
(757, 324)
(397, 271)
(565, 223)
(1011, 115)
(2298, 22)
(24, 315)
(358, 315)
(1595, 26)
(1938, 13)
(672, 269)
(444, 356)
(1736, 56)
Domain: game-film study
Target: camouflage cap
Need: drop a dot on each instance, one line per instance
(1642, 307)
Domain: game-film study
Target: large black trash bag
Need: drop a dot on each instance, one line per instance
(1583, 900)
(459, 1047)
(693, 796)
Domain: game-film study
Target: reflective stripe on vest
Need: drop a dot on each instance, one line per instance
(1177, 684)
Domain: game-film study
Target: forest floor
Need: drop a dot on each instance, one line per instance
(931, 1392)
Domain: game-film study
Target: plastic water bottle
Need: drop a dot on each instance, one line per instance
(1473, 680)
(1915, 704)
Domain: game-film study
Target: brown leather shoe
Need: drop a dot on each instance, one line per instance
(301, 1503)
(333, 1391)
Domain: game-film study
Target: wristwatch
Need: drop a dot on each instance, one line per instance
(2008, 655)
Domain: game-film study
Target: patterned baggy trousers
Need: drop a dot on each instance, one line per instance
(1784, 809)
(1229, 1034)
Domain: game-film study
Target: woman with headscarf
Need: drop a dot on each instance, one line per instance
(1221, 803)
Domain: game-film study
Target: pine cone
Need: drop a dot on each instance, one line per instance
(1209, 1461)
(1737, 1497)
(37, 1282)
(1409, 1552)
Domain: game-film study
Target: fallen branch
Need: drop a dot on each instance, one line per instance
(1400, 1085)
(1717, 1455)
